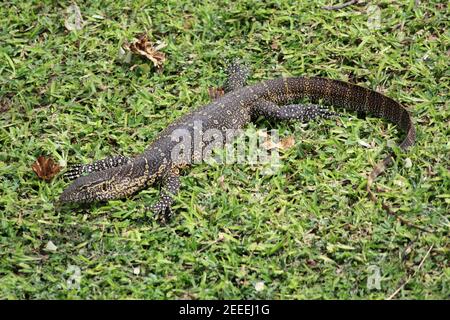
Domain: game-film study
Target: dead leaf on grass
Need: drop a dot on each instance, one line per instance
(215, 93)
(145, 48)
(74, 20)
(284, 144)
(45, 168)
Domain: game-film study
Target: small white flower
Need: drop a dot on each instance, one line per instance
(259, 286)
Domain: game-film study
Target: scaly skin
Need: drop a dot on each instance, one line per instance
(119, 177)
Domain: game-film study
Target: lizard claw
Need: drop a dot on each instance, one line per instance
(322, 112)
(77, 170)
(74, 172)
(162, 211)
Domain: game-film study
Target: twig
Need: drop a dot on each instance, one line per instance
(388, 209)
(402, 220)
(411, 276)
(340, 6)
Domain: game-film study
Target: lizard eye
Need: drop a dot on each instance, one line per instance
(104, 187)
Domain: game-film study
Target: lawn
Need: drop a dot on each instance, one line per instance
(308, 231)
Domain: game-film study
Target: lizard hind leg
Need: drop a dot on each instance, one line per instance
(237, 76)
(77, 170)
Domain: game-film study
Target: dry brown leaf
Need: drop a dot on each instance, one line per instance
(144, 47)
(45, 168)
(215, 93)
(287, 143)
(269, 144)
(275, 45)
(5, 104)
(284, 144)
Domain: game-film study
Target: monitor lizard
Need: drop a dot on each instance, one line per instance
(119, 176)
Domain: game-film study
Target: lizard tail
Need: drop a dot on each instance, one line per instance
(353, 97)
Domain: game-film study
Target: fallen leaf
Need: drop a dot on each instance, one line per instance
(364, 144)
(50, 246)
(269, 144)
(284, 144)
(74, 20)
(275, 45)
(408, 163)
(143, 47)
(215, 93)
(45, 168)
(287, 143)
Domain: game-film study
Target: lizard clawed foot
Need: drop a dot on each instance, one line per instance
(77, 170)
(74, 171)
(162, 211)
(313, 111)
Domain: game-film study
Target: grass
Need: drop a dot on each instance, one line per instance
(306, 232)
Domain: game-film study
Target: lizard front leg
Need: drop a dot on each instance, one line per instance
(77, 170)
(169, 187)
(302, 112)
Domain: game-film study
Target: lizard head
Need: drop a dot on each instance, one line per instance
(113, 183)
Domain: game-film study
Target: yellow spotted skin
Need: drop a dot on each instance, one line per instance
(274, 99)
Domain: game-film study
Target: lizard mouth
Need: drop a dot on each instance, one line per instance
(82, 190)
(72, 195)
